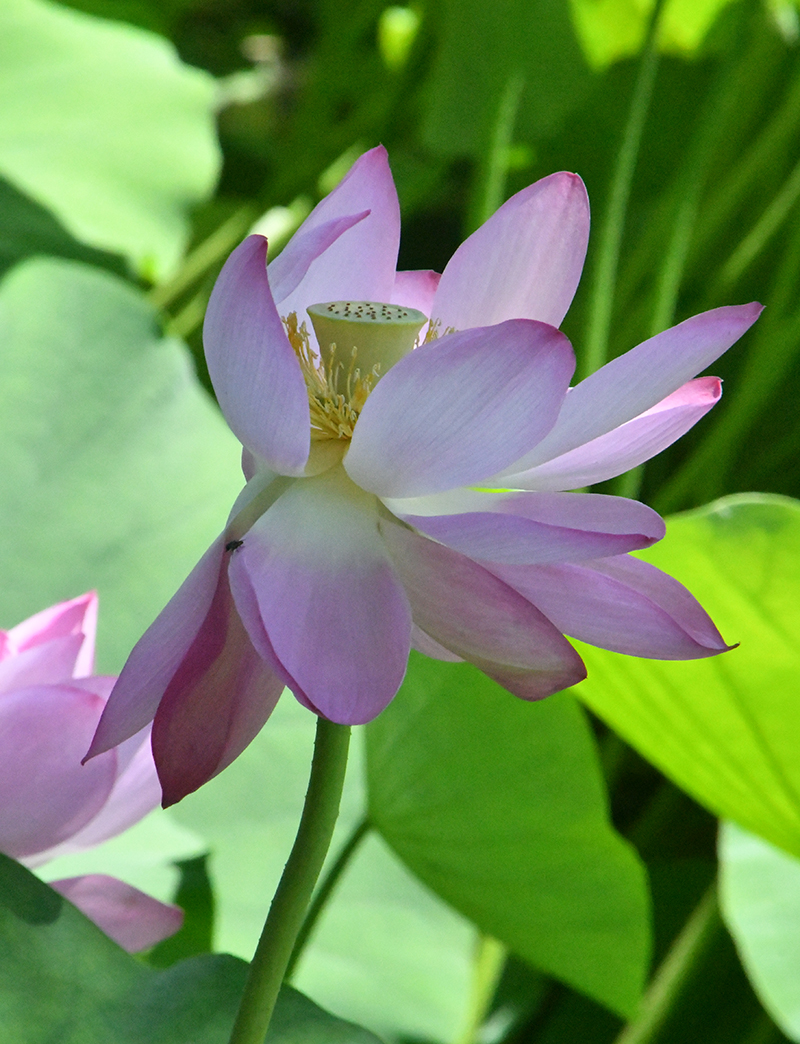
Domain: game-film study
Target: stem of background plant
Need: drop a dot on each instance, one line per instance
(601, 303)
(323, 893)
(717, 112)
(674, 971)
(283, 924)
(487, 968)
(489, 191)
(204, 255)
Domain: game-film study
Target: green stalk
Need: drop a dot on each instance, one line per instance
(203, 257)
(772, 350)
(323, 893)
(601, 302)
(677, 967)
(718, 110)
(765, 153)
(488, 965)
(490, 192)
(291, 900)
(764, 229)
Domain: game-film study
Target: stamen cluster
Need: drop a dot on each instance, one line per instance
(334, 412)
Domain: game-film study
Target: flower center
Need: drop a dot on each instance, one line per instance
(358, 342)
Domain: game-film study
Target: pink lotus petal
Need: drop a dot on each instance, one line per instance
(101, 685)
(249, 463)
(628, 445)
(360, 265)
(132, 919)
(415, 290)
(78, 616)
(423, 643)
(50, 663)
(534, 528)
(45, 793)
(291, 266)
(136, 791)
(622, 604)
(252, 365)
(335, 613)
(450, 412)
(523, 263)
(158, 654)
(466, 609)
(215, 703)
(640, 379)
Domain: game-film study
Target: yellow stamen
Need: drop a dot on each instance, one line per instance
(335, 396)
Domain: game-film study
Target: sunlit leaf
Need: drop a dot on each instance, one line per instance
(726, 729)
(613, 29)
(28, 229)
(760, 901)
(116, 470)
(102, 124)
(499, 806)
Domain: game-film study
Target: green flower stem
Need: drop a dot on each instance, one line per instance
(323, 893)
(676, 968)
(206, 254)
(289, 905)
(601, 302)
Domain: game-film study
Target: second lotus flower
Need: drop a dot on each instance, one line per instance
(408, 480)
(50, 805)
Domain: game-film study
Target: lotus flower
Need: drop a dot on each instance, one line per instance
(408, 481)
(50, 805)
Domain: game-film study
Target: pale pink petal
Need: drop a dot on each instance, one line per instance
(533, 528)
(101, 685)
(76, 616)
(252, 366)
(622, 604)
(466, 609)
(628, 445)
(50, 663)
(247, 606)
(134, 921)
(415, 289)
(423, 643)
(253, 465)
(249, 463)
(136, 791)
(638, 380)
(523, 263)
(450, 412)
(46, 795)
(158, 654)
(215, 703)
(305, 246)
(360, 265)
(334, 611)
